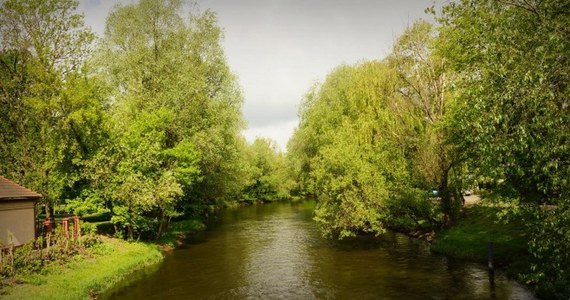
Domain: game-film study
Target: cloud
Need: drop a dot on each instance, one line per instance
(278, 132)
(280, 48)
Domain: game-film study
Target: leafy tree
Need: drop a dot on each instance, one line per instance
(512, 116)
(351, 186)
(351, 150)
(175, 111)
(423, 80)
(514, 91)
(50, 111)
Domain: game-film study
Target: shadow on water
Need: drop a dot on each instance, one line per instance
(275, 251)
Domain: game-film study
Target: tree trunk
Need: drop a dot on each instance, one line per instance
(162, 225)
(131, 232)
(446, 201)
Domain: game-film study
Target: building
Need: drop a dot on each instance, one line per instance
(17, 214)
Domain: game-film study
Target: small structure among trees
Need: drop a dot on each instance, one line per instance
(17, 213)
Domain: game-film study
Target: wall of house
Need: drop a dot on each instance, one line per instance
(16, 220)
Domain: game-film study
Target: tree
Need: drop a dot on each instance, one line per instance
(269, 176)
(49, 109)
(173, 95)
(424, 78)
(351, 148)
(513, 92)
(513, 116)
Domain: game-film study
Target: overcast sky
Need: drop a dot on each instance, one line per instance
(280, 48)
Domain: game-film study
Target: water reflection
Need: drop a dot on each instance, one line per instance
(275, 252)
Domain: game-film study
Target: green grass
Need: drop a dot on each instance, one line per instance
(477, 227)
(85, 277)
(105, 265)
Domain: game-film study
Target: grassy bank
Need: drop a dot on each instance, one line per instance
(477, 227)
(97, 269)
(87, 275)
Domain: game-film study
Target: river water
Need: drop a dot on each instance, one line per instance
(275, 251)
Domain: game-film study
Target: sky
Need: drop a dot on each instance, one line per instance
(280, 48)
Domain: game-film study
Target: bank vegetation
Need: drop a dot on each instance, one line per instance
(142, 125)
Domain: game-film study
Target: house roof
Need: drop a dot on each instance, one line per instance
(10, 190)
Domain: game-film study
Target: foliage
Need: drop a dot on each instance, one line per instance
(512, 115)
(175, 116)
(50, 111)
(33, 256)
(145, 127)
(424, 78)
(408, 209)
(352, 147)
(178, 230)
(373, 138)
(549, 244)
(269, 174)
(513, 91)
(351, 189)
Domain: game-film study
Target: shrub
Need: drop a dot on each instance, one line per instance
(97, 217)
(88, 228)
(550, 246)
(106, 227)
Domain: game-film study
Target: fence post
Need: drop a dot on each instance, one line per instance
(491, 264)
(64, 223)
(76, 227)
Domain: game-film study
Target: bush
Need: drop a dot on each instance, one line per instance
(26, 258)
(412, 210)
(88, 228)
(97, 217)
(550, 247)
(32, 257)
(106, 227)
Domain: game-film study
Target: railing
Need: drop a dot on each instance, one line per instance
(47, 226)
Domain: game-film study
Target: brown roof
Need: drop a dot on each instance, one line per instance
(10, 190)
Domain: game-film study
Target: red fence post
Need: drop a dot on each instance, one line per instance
(64, 223)
(76, 227)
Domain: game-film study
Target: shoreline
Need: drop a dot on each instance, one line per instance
(86, 276)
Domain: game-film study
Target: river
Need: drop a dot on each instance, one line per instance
(274, 251)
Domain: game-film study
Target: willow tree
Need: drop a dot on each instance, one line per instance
(49, 110)
(351, 147)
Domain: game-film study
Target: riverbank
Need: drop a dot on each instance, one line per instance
(177, 232)
(470, 239)
(96, 270)
(87, 275)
